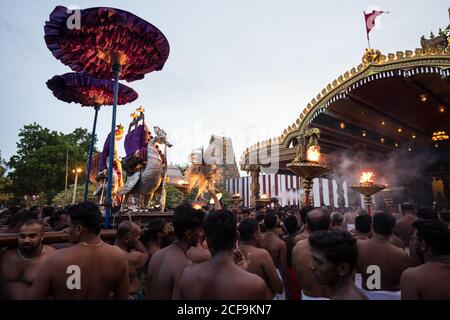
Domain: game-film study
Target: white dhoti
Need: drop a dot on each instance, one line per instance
(282, 295)
(376, 294)
(382, 295)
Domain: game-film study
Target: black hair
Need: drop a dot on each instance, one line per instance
(427, 213)
(407, 206)
(220, 230)
(47, 211)
(445, 216)
(436, 235)
(247, 229)
(270, 221)
(86, 214)
(259, 207)
(186, 218)
(154, 226)
(363, 223)
(19, 218)
(362, 212)
(321, 222)
(56, 216)
(291, 224)
(336, 219)
(33, 221)
(304, 213)
(383, 223)
(337, 245)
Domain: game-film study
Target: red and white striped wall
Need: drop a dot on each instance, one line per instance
(287, 189)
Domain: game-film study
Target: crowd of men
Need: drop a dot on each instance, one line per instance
(230, 253)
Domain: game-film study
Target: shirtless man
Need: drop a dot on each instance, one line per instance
(403, 226)
(292, 285)
(363, 227)
(19, 267)
(391, 260)
(200, 252)
(303, 234)
(316, 220)
(274, 245)
(337, 221)
(334, 255)
(259, 260)
(220, 277)
(127, 239)
(156, 232)
(89, 270)
(429, 281)
(166, 265)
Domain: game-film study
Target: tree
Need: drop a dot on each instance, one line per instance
(5, 182)
(40, 162)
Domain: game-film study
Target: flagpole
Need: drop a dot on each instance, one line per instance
(367, 33)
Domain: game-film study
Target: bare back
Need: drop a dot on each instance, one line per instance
(429, 281)
(215, 280)
(404, 229)
(276, 248)
(164, 272)
(391, 260)
(103, 270)
(261, 264)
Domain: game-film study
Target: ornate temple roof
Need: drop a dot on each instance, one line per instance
(386, 102)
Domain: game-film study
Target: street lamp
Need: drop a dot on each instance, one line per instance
(76, 171)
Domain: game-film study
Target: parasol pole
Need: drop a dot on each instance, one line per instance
(116, 70)
(88, 171)
(163, 191)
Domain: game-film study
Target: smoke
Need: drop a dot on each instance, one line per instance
(401, 169)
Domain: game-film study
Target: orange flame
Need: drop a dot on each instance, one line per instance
(181, 182)
(366, 177)
(313, 153)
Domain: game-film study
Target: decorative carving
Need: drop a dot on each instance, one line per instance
(371, 56)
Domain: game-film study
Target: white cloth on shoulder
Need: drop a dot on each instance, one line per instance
(306, 297)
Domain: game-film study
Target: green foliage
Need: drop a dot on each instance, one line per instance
(40, 162)
(5, 182)
(64, 198)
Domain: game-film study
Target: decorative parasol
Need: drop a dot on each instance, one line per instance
(89, 92)
(107, 43)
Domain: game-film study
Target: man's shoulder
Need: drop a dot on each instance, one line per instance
(49, 249)
(301, 244)
(414, 273)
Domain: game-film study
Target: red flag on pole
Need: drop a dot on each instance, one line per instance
(370, 21)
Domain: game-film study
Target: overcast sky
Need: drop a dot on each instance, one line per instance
(244, 69)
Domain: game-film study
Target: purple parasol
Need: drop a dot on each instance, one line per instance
(88, 91)
(142, 47)
(107, 43)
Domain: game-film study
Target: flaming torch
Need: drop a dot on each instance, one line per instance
(367, 188)
(263, 200)
(236, 199)
(183, 187)
(308, 167)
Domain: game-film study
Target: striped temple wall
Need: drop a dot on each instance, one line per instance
(287, 189)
